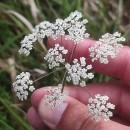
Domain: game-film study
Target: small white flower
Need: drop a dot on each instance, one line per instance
(54, 56)
(78, 72)
(27, 44)
(99, 107)
(22, 85)
(55, 97)
(82, 83)
(31, 88)
(106, 47)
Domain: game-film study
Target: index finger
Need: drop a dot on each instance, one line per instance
(118, 67)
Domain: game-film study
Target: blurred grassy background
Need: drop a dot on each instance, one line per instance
(18, 17)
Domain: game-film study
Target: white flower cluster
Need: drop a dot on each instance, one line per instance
(54, 56)
(43, 29)
(78, 72)
(106, 47)
(59, 28)
(22, 85)
(55, 98)
(26, 44)
(71, 25)
(99, 107)
(76, 28)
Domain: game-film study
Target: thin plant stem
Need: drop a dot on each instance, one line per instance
(63, 81)
(64, 78)
(73, 50)
(61, 40)
(43, 46)
(48, 74)
(19, 109)
(49, 42)
(6, 104)
(52, 9)
(6, 125)
(89, 92)
(62, 43)
(38, 50)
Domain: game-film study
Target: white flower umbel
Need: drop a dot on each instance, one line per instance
(72, 25)
(78, 72)
(77, 33)
(22, 85)
(54, 56)
(44, 29)
(58, 28)
(76, 28)
(27, 44)
(99, 107)
(55, 98)
(74, 16)
(106, 47)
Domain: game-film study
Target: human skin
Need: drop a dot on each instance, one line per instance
(75, 115)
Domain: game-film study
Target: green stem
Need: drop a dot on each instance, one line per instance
(38, 50)
(49, 42)
(88, 92)
(19, 109)
(74, 47)
(64, 78)
(8, 107)
(48, 74)
(6, 125)
(52, 9)
(63, 81)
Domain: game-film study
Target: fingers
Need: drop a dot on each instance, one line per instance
(73, 116)
(120, 120)
(34, 119)
(119, 95)
(117, 67)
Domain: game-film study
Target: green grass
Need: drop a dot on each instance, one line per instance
(103, 17)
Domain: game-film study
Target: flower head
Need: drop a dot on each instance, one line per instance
(54, 56)
(27, 44)
(55, 97)
(44, 29)
(78, 71)
(107, 46)
(76, 28)
(58, 28)
(73, 17)
(72, 24)
(22, 85)
(99, 107)
(77, 33)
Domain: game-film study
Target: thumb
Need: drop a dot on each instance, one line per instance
(72, 115)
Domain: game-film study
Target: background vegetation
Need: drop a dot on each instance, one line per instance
(18, 17)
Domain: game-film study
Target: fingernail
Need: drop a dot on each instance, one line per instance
(51, 117)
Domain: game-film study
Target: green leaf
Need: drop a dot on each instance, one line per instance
(14, 114)
(6, 125)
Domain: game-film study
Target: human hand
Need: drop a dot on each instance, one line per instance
(73, 114)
